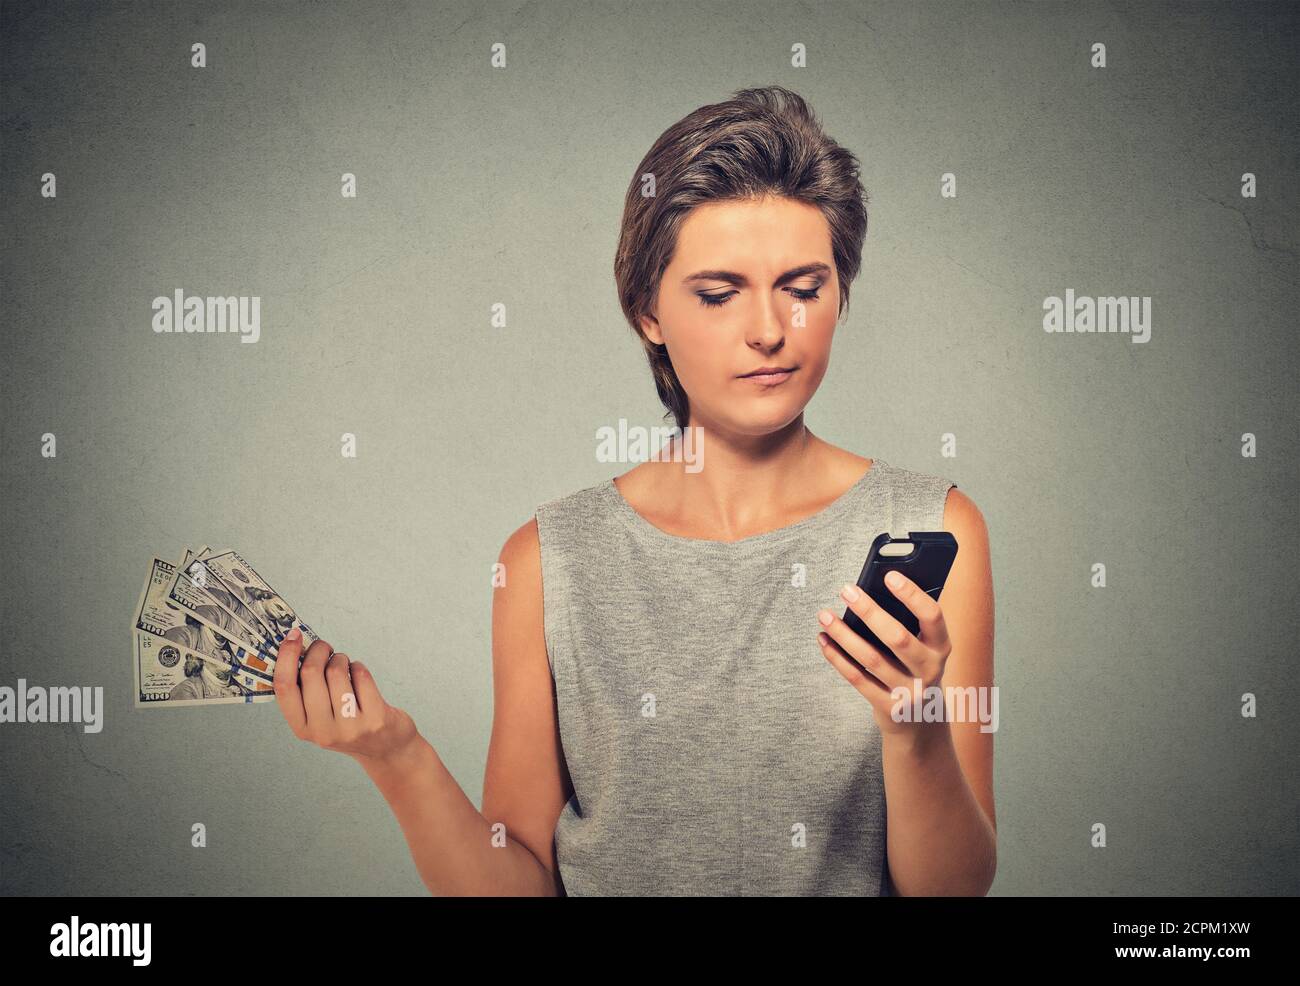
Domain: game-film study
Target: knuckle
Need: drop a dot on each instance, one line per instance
(318, 651)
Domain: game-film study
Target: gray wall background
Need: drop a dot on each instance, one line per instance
(1118, 705)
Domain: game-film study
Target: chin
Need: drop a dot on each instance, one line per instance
(768, 417)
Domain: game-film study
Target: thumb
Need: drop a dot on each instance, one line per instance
(286, 661)
(290, 648)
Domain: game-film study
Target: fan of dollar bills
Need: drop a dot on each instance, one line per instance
(206, 632)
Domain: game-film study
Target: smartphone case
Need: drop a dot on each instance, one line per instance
(927, 565)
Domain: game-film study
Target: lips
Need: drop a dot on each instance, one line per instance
(770, 374)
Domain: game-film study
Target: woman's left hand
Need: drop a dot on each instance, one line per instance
(923, 657)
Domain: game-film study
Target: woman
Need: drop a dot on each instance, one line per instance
(675, 712)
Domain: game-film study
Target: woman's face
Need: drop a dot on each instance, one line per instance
(751, 284)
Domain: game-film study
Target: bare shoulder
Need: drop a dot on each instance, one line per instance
(851, 460)
(962, 516)
(523, 545)
(518, 592)
(843, 468)
(840, 458)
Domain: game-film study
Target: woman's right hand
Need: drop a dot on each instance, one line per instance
(333, 702)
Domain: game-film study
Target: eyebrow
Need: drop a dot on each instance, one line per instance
(734, 278)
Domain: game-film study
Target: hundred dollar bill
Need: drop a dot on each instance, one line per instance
(157, 615)
(270, 608)
(200, 593)
(168, 674)
(196, 569)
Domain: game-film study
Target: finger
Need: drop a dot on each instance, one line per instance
(871, 659)
(933, 629)
(339, 680)
(287, 694)
(892, 634)
(311, 679)
(868, 685)
(367, 691)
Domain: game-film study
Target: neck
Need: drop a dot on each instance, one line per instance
(746, 479)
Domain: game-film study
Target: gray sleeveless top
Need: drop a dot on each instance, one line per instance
(713, 750)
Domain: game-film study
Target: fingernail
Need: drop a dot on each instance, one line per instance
(894, 580)
(850, 592)
(825, 617)
(294, 634)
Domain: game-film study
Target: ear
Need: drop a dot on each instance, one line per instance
(650, 327)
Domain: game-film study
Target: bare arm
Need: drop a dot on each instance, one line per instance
(526, 783)
(939, 781)
(454, 846)
(942, 833)
(450, 840)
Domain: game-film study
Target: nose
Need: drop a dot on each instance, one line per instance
(766, 331)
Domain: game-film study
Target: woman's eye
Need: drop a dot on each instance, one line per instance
(714, 300)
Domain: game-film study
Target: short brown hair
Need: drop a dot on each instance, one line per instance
(760, 142)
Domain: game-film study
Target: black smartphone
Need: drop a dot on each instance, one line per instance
(927, 563)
